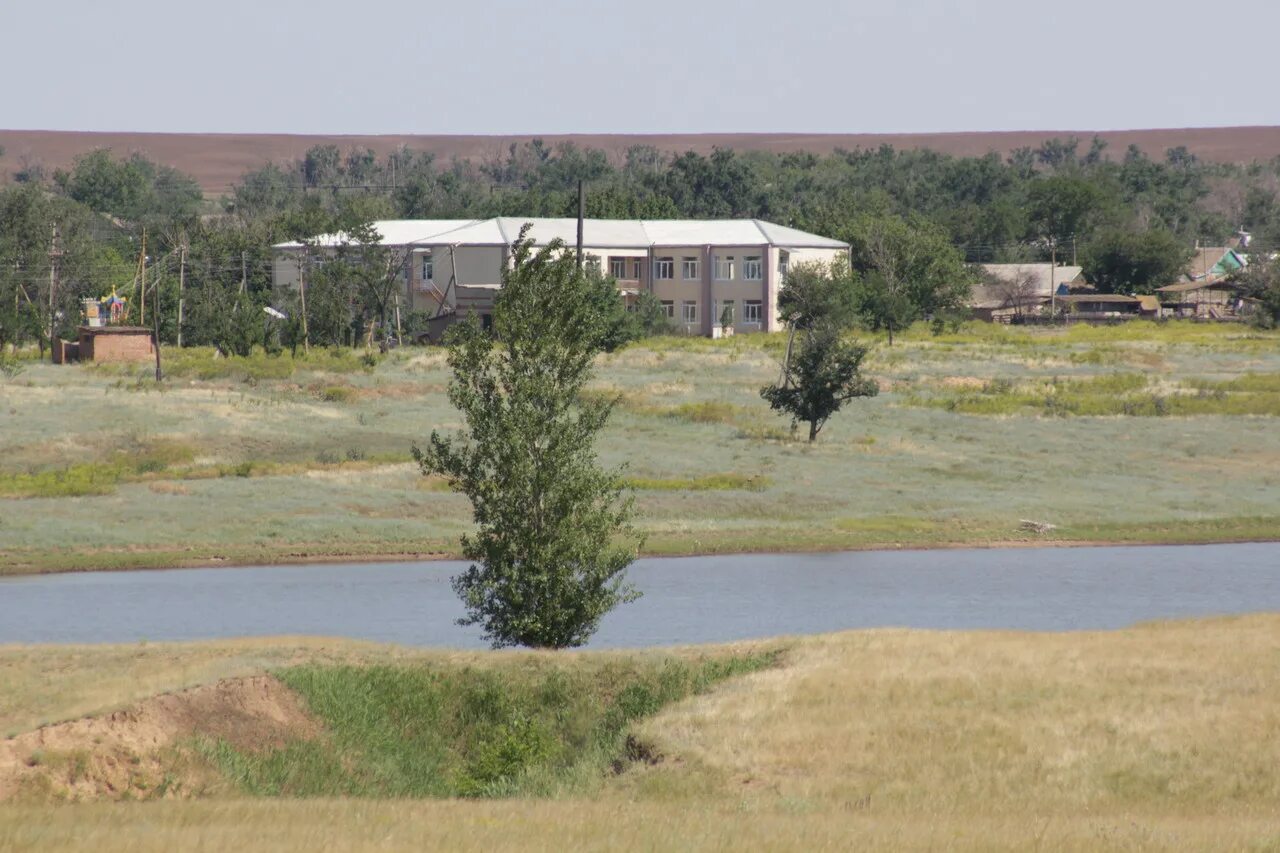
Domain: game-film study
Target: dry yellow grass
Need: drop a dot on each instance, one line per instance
(1163, 736)
(1168, 715)
(559, 826)
(48, 684)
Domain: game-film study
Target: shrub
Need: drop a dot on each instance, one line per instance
(707, 412)
(336, 394)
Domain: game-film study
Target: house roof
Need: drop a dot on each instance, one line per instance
(394, 232)
(1200, 284)
(995, 291)
(1213, 262)
(597, 233)
(1116, 298)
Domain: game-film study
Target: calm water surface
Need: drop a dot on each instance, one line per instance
(686, 600)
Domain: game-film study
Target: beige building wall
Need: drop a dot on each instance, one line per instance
(678, 290)
(475, 265)
(479, 268)
(792, 258)
(739, 289)
(285, 270)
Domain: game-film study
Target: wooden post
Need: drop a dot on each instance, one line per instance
(453, 280)
(182, 281)
(302, 297)
(155, 325)
(582, 209)
(142, 275)
(54, 254)
(1053, 288)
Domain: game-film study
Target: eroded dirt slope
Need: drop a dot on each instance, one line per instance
(138, 752)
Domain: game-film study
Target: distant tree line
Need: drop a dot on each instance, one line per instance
(913, 217)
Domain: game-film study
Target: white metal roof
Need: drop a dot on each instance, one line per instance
(394, 232)
(597, 233)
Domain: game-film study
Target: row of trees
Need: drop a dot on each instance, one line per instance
(993, 207)
(913, 217)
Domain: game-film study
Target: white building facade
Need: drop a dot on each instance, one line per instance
(701, 271)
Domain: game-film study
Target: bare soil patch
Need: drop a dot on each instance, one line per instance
(130, 753)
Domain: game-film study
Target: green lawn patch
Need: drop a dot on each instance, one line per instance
(427, 731)
(1128, 394)
(704, 483)
(204, 363)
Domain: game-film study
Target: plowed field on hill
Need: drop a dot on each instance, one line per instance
(218, 160)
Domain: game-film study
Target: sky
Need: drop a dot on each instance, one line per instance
(697, 66)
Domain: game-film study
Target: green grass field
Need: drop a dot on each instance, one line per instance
(1137, 433)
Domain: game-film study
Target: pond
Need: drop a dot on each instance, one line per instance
(686, 600)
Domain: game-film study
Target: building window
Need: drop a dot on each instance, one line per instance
(689, 311)
(635, 269)
(669, 309)
(664, 268)
(724, 267)
(689, 269)
(752, 269)
(724, 313)
(428, 268)
(751, 311)
(618, 267)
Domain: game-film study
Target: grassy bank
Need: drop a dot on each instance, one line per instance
(1161, 736)
(1136, 433)
(414, 731)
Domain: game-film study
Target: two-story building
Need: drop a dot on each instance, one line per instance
(702, 272)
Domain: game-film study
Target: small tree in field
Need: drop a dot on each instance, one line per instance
(821, 371)
(553, 536)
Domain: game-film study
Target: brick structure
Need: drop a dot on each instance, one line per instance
(116, 343)
(65, 352)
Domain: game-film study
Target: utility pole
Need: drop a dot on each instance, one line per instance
(1053, 287)
(302, 297)
(244, 272)
(54, 254)
(1074, 262)
(182, 281)
(582, 209)
(155, 326)
(142, 275)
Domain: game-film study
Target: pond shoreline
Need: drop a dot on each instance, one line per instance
(117, 561)
(683, 601)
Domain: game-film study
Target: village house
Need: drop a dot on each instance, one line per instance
(700, 271)
(1207, 289)
(1010, 293)
(1108, 307)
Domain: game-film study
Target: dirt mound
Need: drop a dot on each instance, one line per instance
(141, 751)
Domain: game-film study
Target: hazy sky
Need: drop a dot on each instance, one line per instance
(552, 66)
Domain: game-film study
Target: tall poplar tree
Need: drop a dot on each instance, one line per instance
(553, 535)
